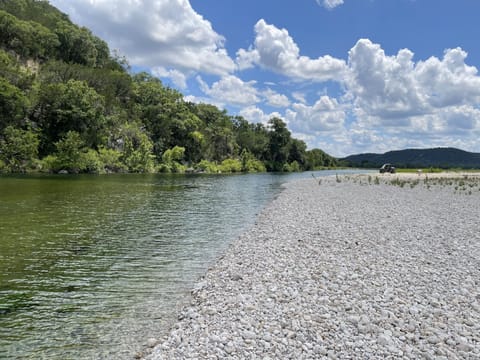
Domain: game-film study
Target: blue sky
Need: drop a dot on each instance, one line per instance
(347, 76)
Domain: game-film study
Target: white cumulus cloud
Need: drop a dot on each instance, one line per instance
(256, 115)
(154, 33)
(394, 90)
(178, 78)
(449, 81)
(325, 115)
(299, 96)
(275, 50)
(232, 90)
(329, 4)
(275, 99)
(384, 86)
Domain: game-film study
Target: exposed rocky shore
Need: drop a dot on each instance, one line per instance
(359, 267)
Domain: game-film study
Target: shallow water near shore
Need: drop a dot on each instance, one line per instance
(93, 266)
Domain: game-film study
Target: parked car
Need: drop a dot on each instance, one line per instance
(387, 168)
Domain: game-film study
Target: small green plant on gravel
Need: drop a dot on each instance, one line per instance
(398, 182)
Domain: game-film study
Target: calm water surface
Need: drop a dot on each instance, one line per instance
(93, 266)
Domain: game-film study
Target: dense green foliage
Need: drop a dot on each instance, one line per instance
(67, 104)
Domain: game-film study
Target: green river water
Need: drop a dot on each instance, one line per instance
(93, 266)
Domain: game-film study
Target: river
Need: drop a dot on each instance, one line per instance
(93, 266)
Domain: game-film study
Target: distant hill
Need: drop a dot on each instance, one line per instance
(417, 158)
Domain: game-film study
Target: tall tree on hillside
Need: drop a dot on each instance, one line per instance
(166, 116)
(13, 105)
(18, 148)
(297, 152)
(27, 39)
(115, 85)
(251, 137)
(78, 45)
(39, 11)
(73, 106)
(279, 142)
(317, 158)
(219, 132)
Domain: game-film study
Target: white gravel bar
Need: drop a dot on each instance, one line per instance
(353, 268)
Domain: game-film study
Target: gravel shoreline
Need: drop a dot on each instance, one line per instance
(343, 267)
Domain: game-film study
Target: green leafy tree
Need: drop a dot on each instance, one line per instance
(297, 152)
(171, 160)
(73, 156)
(114, 85)
(39, 11)
(136, 148)
(13, 105)
(194, 145)
(28, 39)
(166, 116)
(230, 166)
(92, 163)
(317, 159)
(294, 166)
(73, 106)
(278, 146)
(185, 131)
(175, 154)
(220, 142)
(18, 149)
(207, 166)
(70, 153)
(208, 113)
(111, 160)
(41, 42)
(250, 163)
(78, 45)
(251, 137)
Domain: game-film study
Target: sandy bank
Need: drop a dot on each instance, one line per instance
(348, 268)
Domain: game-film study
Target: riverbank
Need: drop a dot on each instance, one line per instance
(356, 266)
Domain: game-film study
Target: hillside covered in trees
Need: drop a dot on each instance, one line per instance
(68, 104)
(417, 158)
